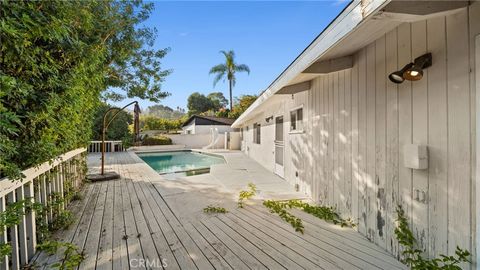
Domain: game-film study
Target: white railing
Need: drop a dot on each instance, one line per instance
(41, 184)
(110, 146)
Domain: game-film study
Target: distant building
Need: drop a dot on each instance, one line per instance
(198, 124)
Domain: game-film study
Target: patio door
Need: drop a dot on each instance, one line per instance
(279, 146)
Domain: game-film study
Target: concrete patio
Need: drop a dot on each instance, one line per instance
(146, 217)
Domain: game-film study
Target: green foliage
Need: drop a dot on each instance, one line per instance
(326, 213)
(72, 255)
(157, 140)
(118, 129)
(227, 70)
(214, 209)
(156, 123)
(412, 255)
(246, 194)
(218, 100)
(58, 58)
(162, 111)
(5, 250)
(241, 105)
(198, 103)
(279, 208)
(209, 105)
(62, 221)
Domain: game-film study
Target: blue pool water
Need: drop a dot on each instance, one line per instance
(174, 162)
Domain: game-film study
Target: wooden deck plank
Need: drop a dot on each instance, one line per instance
(341, 247)
(119, 249)
(246, 257)
(292, 242)
(159, 240)
(148, 247)
(286, 259)
(232, 259)
(212, 255)
(134, 248)
(105, 246)
(94, 230)
(332, 253)
(181, 255)
(256, 252)
(195, 253)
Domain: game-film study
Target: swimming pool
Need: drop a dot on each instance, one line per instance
(180, 162)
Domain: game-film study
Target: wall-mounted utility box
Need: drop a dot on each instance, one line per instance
(415, 156)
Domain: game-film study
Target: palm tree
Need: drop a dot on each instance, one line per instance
(229, 68)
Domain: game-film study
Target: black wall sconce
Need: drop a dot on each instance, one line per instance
(412, 71)
(268, 119)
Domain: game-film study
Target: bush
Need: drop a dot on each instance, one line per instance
(157, 140)
(58, 60)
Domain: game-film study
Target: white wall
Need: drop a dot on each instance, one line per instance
(357, 121)
(196, 140)
(189, 129)
(205, 129)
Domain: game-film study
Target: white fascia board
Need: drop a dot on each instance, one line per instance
(356, 13)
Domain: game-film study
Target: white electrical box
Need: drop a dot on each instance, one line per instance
(415, 156)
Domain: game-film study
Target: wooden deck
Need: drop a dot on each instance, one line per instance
(128, 224)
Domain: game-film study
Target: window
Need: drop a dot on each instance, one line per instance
(296, 120)
(256, 133)
(241, 134)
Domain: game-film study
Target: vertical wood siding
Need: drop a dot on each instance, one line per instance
(356, 123)
(361, 121)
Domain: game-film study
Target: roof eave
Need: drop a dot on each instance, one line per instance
(356, 13)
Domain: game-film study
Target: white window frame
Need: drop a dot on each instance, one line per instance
(296, 130)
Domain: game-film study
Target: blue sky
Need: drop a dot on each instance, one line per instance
(267, 36)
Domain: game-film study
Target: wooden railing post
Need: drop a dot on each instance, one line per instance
(22, 229)
(3, 236)
(31, 226)
(13, 232)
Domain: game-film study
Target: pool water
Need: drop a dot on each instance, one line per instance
(177, 162)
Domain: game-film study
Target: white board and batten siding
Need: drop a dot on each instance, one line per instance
(356, 123)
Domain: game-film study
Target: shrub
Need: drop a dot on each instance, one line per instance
(157, 140)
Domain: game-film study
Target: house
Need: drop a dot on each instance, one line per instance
(199, 124)
(339, 124)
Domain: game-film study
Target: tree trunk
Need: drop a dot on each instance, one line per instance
(231, 101)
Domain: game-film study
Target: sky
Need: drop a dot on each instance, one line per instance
(267, 36)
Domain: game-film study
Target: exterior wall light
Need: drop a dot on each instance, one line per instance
(412, 71)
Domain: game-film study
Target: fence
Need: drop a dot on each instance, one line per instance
(45, 185)
(110, 146)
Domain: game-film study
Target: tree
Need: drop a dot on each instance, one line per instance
(241, 105)
(218, 100)
(57, 60)
(228, 70)
(118, 129)
(165, 112)
(198, 103)
(155, 123)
